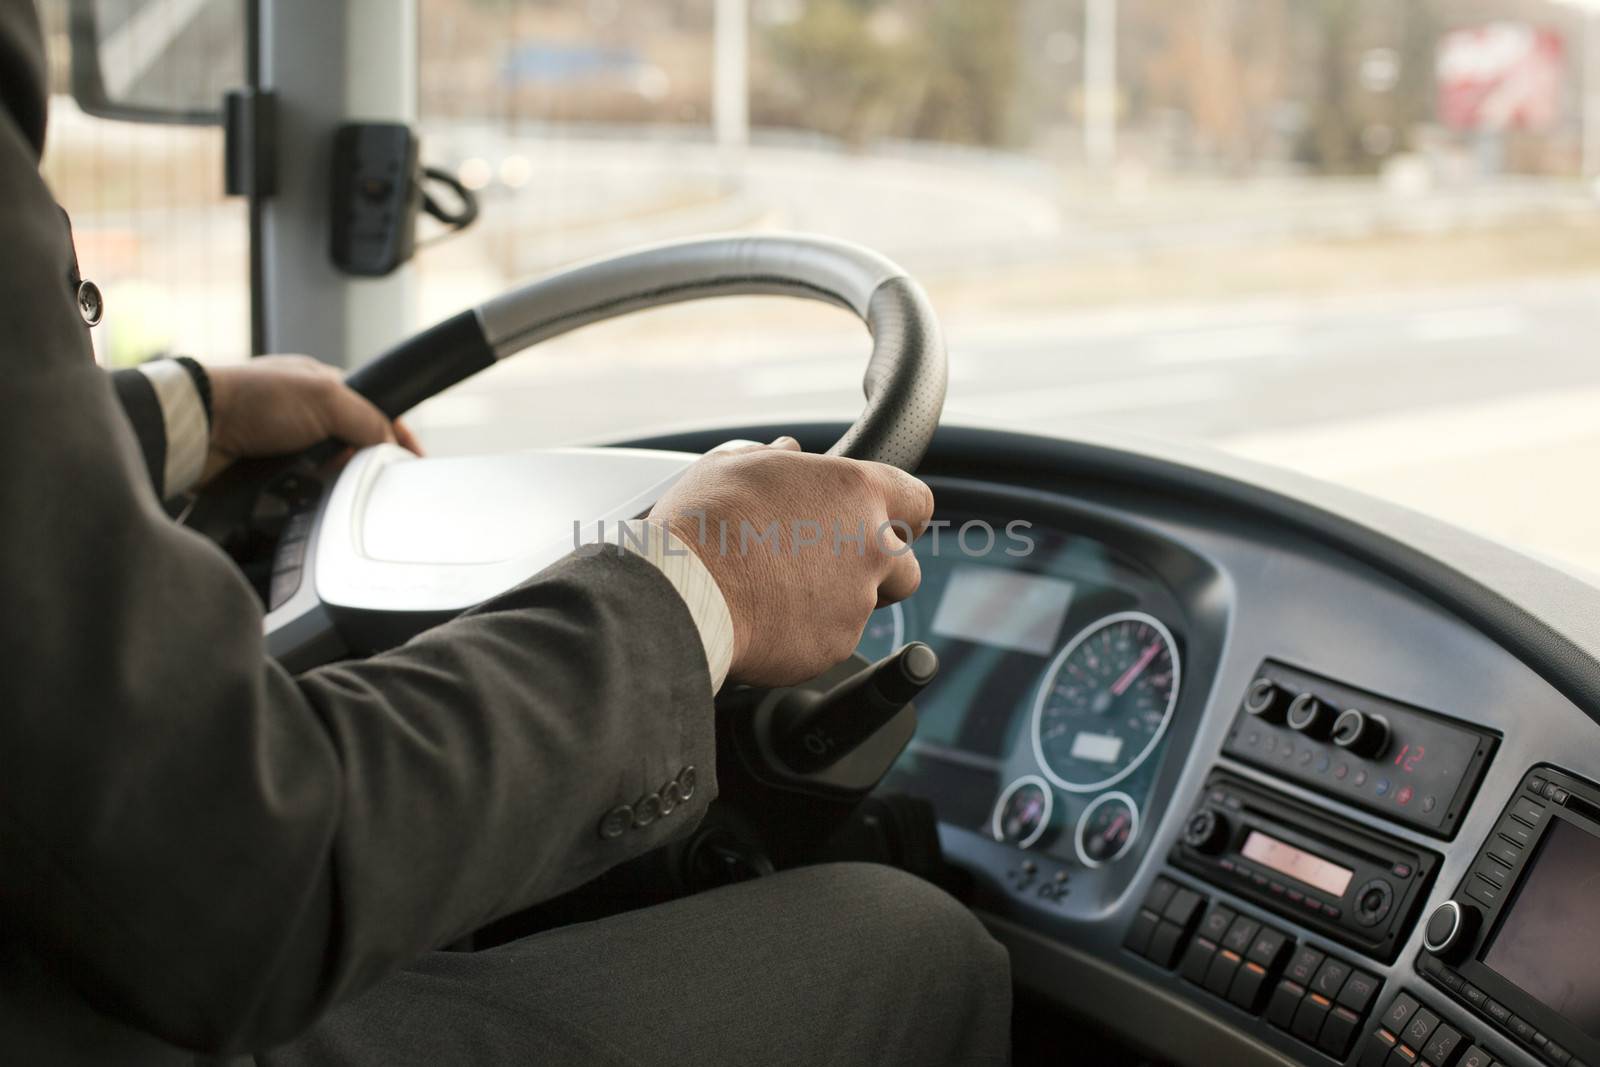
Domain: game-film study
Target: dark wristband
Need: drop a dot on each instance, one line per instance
(202, 383)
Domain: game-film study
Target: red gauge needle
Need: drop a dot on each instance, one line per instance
(1137, 669)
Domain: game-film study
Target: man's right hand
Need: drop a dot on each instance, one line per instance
(799, 600)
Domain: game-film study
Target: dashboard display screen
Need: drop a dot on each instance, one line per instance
(1297, 863)
(1549, 939)
(1096, 748)
(1006, 609)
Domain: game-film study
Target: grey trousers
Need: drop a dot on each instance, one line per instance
(843, 964)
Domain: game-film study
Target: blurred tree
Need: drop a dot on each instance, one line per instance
(1220, 64)
(1331, 137)
(941, 70)
(1372, 79)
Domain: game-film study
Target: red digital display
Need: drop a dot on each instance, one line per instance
(1409, 758)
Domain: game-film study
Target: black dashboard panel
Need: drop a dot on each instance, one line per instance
(1264, 566)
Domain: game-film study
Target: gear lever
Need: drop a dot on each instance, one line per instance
(813, 730)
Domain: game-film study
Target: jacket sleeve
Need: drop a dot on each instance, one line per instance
(213, 849)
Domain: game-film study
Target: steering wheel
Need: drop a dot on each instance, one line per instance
(905, 377)
(395, 543)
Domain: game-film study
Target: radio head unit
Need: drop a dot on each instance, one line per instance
(1519, 943)
(1344, 881)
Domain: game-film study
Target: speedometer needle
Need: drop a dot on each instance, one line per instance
(1121, 685)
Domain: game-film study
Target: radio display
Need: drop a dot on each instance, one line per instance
(1297, 863)
(1548, 941)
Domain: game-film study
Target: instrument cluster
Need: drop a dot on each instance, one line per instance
(1062, 664)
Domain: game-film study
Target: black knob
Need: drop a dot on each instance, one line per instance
(1206, 831)
(905, 673)
(1310, 716)
(1266, 700)
(1362, 734)
(1451, 930)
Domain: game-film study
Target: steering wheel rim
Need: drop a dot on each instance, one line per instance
(905, 378)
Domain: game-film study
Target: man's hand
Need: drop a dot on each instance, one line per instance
(279, 405)
(800, 599)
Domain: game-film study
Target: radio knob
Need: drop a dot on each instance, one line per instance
(1451, 930)
(1266, 700)
(1206, 831)
(1310, 716)
(1362, 734)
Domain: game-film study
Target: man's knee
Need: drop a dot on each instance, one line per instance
(915, 920)
(933, 960)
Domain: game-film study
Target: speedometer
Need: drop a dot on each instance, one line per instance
(1105, 702)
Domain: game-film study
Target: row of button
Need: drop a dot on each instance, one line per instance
(1163, 924)
(1503, 1017)
(1315, 760)
(1320, 1000)
(288, 563)
(1055, 888)
(1549, 790)
(1493, 872)
(1256, 878)
(1409, 1035)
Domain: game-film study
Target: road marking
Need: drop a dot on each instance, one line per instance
(1467, 323)
(1219, 345)
(1417, 437)
(1123, 394)
(821, 375)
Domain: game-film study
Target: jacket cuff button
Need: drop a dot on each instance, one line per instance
(686, 783)
(646, 810)
(616, 822)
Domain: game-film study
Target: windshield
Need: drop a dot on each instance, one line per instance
(1359, 238)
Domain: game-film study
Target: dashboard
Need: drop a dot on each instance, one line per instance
(1251, 770)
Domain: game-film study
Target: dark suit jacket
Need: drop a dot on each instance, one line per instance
(198, 849)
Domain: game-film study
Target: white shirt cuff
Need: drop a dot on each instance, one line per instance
(693, 582)
(183, 414)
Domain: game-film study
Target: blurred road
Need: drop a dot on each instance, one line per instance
(1238, 372)
(1479, 404)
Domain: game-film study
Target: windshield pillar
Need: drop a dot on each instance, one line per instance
(330, 64)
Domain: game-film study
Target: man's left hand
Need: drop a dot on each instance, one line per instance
(279, 405)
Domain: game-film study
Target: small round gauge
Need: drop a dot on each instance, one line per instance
(1022, 814)
(885, 632)
(1107, 829)
(1105, 702)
